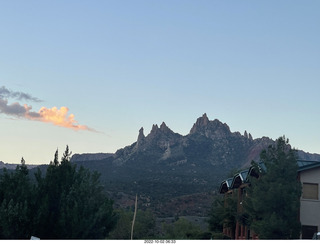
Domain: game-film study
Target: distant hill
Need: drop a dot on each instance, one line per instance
(165, 165)
(13, 166)
(171, 173)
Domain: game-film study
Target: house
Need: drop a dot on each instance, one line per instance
(309, 176)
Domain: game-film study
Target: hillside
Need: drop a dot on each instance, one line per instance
(165, 166)
(171, 173)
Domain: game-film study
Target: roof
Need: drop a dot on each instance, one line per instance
(243, 176)
(225, 185)
(305, 165)
(239, 178)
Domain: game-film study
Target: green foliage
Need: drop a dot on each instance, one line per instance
(144, 227)
(182, 229)
(16, 203)
(272, 205)
(67, 203)
(223, 213)
(216, 216)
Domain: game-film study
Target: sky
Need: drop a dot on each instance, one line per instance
(90, 74)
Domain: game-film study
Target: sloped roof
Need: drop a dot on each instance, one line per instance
(305, 165)
(225, 185)
(243, 176)
(239, 178)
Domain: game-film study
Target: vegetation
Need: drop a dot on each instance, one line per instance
(272, 205)
(16, 203)
(66, 203)
(144, 228)
(182, 229)
(223, 213)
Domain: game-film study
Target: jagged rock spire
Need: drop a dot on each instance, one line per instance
(141, 134)
(141, 137)
(164, 128)
(154, 129)
(201, 122)
(250, 137)
(210, 129)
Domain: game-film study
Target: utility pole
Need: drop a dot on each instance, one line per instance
(134, 215)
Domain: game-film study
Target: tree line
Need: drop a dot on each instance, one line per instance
(67, 202)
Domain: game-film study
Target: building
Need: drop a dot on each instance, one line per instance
(308, 175)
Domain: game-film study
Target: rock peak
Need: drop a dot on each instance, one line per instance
(211, 129)
(154, 129)
(141, 134)
(165, 129)
(163, 126)
(200, 123)
(204, 120)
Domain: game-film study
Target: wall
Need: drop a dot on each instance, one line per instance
(310, 208)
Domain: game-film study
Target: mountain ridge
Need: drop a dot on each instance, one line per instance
(166, 168)
(164, 165)
(164, 138)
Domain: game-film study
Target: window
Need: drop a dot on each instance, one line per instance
(310, 191)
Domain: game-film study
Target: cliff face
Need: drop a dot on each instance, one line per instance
(208, 143)
(90, 156)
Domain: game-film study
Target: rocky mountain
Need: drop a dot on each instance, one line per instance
(172, 173)
(208, 143)
(165, 165)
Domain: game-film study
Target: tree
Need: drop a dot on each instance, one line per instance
(144, 227)
(72, 203)
(272, 204)
(67, 203)
(182, 229)
(223, 214)
(216, 216)
(16, 203)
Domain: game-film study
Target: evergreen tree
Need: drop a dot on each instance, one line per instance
(272, 204)
(16, 203)
(223, 214)
(216, 216)
(72, 203)
(67, 203)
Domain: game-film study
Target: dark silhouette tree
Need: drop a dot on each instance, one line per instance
(73, 204)
(272, 204)
(16, 203)
(223, 213)
(65, 203)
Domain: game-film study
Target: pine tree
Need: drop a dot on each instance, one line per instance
(73, 204)
(272, 204)
(16, 203)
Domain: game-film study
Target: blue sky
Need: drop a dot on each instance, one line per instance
(122, 65)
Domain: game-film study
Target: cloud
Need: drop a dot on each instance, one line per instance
(6, 93)
(55, 116)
